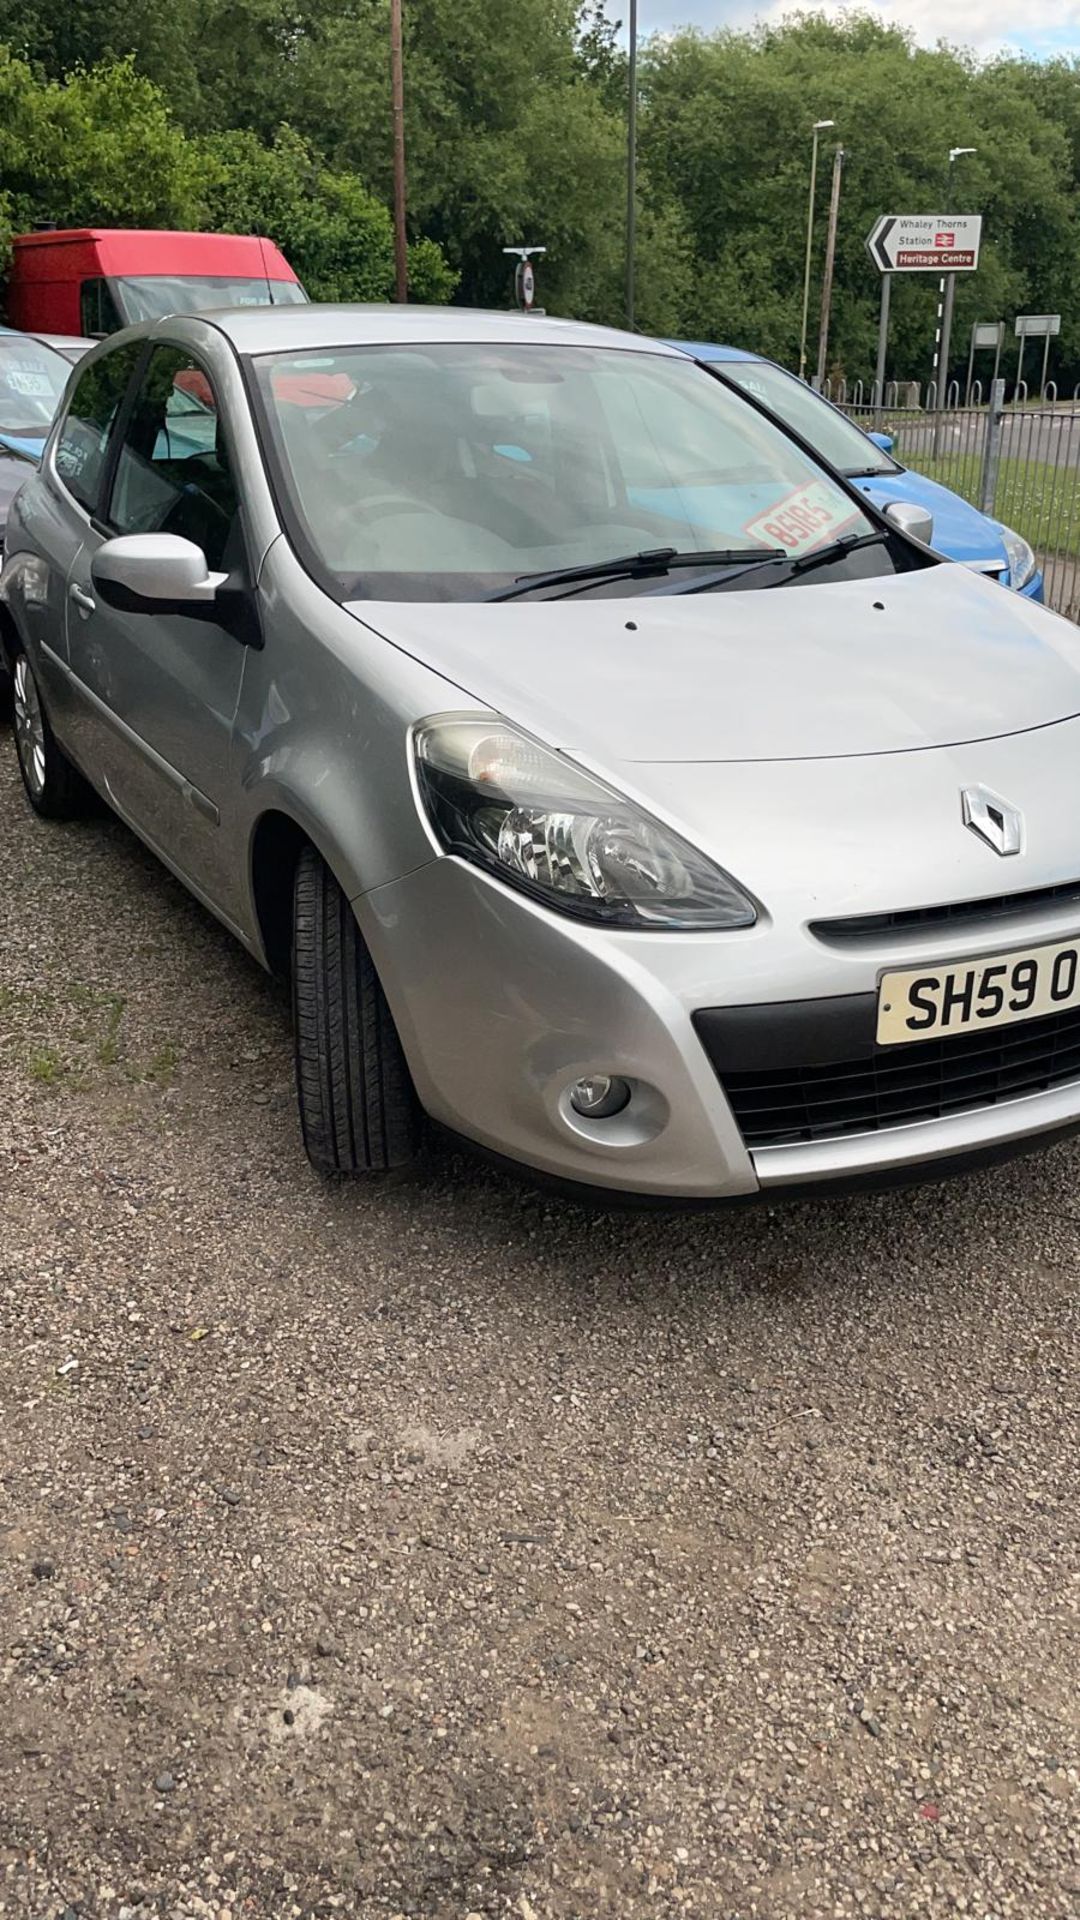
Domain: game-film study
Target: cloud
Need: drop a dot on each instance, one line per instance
(1051, 26)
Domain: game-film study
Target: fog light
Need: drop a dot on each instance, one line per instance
(599, 1096)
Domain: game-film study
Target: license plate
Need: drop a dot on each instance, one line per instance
(930, 1003)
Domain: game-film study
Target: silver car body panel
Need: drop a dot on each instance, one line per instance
(573, 671)
(814, 741)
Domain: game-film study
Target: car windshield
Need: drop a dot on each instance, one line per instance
(832, 434)
(32, 382)
(446, 472)
(155, 295)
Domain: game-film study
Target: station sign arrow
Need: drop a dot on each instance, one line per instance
(926, 242)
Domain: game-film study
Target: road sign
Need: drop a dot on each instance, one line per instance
(987, 336)
(926, 242)
(1032, 326)
(1035, 326)
(525, 276)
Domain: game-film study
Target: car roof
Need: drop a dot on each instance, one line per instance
(49, 338)
(31, 333)
(708, 350)
(313, 328)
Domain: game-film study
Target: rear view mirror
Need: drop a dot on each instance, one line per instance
(917, 522)
(154, 573)
(883, 440)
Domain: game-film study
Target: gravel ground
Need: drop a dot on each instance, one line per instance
(443, 1550)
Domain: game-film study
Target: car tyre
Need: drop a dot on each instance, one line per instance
(358, 1108)
(54, 787)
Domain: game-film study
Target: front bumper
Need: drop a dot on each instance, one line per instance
(502, 1005)
(1034, 589)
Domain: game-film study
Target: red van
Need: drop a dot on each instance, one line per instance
(93, 280)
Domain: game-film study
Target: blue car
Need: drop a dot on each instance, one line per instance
(960, 530)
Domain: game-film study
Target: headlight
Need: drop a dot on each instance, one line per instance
(502, 800)
(1020, 557)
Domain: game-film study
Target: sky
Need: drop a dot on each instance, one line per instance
(1041, 27)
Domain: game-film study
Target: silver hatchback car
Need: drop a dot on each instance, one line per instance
(617, 786)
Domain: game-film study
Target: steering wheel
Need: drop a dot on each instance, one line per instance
(379, 505)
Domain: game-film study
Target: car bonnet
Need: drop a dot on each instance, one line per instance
(882, 665)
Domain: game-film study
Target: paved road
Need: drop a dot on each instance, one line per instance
(441, 1550)
(1052, 438)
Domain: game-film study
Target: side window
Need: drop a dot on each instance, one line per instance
(98, 309)
(83, 439)
(173, 473)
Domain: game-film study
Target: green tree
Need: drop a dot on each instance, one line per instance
(509, 139)
(336, 235)
(726, 132)
(56, 37)
(276, 114)
(98, 149)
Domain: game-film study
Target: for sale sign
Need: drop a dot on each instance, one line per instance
(926, 242)
(804, 519)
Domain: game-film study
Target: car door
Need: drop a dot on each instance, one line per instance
(164, 685)
(55, 521)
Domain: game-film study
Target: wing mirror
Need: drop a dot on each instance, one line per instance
(883, 440)
(917, 522)
(154, 573)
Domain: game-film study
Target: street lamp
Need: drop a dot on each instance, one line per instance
(631, 166)
(819, 127)
(397, 91)
(946, 295)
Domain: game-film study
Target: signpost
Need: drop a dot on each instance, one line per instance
(1036, 326)
(926, 242)
(525, 277)
(986, 336)
(941, 243)
(882, 344)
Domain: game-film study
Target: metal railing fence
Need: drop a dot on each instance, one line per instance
(1019, 463)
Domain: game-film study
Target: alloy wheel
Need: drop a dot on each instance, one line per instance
(29, 727)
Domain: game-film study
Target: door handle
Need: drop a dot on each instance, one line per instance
(83, 600)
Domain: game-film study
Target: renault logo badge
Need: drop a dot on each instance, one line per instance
(985, 813)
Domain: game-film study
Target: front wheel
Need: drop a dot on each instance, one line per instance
(358, 1108)
(54, 787)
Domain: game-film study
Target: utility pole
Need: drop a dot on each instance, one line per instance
(818, 127)
(631, 168)
(830, 260)
(397, 88)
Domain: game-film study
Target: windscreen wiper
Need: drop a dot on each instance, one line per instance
(636, 566)
(835, 549)
(793, 564)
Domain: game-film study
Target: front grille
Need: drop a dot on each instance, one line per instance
(895, 1086)
(958, 913)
